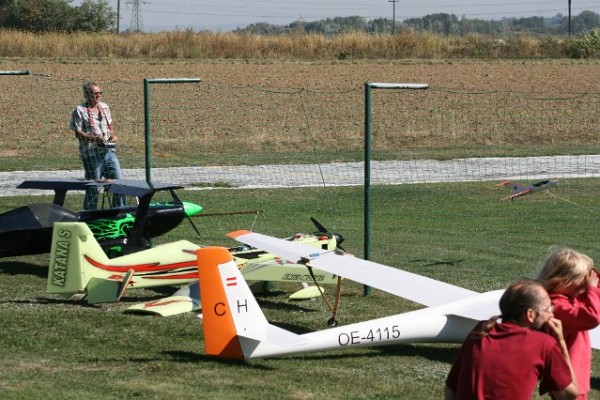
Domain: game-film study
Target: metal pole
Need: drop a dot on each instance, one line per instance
(367, 181)
(367, 177)
(569, 17)
(393, 14)
(147, 129)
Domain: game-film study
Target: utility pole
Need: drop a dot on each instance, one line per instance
(118, 14)
(394, 14)
(569, 17)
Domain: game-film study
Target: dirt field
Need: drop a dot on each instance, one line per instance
(520, 75)
(283, 107)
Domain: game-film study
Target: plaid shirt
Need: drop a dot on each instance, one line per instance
(101, 124)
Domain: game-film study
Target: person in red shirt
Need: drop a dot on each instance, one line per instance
(507, 360)
(572, 282)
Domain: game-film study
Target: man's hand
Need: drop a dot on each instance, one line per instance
(554, 327)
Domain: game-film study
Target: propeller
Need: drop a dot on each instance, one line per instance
(187, 216)
(338, 236)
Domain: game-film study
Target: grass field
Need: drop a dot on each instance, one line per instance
(52, 347)
(254, 111)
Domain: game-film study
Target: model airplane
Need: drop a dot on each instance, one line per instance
(518, 190)
(28, 229)
(236, 328)
(78, 265)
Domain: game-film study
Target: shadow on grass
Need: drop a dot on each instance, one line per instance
(22, 268)
(187, 357)
(432, 352)
(46, 301)
(434, 263)
(445, 355)
(272, 305)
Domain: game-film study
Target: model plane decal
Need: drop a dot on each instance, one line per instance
(186, 299)
(156, 266)
(518, 190)
(183, 276)
(97, 264)
(165, 302)
(235, 327)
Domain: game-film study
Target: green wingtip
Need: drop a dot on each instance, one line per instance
(191, 209)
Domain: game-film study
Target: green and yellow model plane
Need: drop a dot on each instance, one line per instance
(78, 265)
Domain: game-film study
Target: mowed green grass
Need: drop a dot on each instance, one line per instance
(460, 233)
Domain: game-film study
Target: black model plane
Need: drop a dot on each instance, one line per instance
(122, 230)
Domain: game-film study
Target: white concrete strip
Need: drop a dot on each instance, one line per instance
(342, 174)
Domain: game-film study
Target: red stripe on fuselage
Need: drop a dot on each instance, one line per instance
(148, 267)
(189, 275)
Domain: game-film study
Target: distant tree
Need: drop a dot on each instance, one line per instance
(56, 15)
(36, 15)
(584, 22)
(379, 25)
(336, 26)
(328, 26)
(531, 25)
(442, 23)
(94, 16)
(263, 28)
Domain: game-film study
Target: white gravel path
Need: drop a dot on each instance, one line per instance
(343, 174)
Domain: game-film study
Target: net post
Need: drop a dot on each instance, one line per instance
(147, 82)
(367, 159)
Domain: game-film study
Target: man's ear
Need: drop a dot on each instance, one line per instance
(530, 316)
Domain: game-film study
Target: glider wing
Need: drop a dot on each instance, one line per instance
(420, 289)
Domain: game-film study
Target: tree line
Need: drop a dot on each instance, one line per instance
(440, 23)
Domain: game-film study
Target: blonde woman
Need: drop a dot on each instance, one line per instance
(571, 280)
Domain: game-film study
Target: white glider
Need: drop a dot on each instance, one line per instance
(236, 328)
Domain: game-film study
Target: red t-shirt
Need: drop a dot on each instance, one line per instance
(578, 315)
(507, 364)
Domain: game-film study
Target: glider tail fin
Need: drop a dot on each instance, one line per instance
(68, 272)
(234, 325)
(220, 336)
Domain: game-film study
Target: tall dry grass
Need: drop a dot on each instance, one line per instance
(211, 45)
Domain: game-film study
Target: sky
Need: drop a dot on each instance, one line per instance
(226, 15)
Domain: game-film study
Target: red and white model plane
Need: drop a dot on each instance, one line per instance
(518, 190)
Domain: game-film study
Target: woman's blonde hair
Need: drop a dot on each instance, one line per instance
(562, 267)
